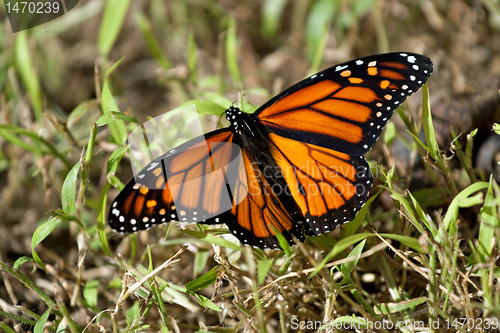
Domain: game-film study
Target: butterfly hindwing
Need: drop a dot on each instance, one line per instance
(255, 220)
(328, 186)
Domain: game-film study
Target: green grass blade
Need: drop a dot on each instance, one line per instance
(430, 134)
(200, 261)
(408, 209)
(192, 59)
(90, 293)
(40, 234)
(347, 267)
(101, 220)
(462, 200)
(114, 160)
(232, 53)
(409, 241)
(317, 53)
(204, 280)
(8, 131)
(68, 193)
(111, 116)
(212, 239)
(24, 64)
(114, 14)
(489, 222)
(496, 128)
(272, 11)
(320, 17)
(388, 308)
(340, 246)
(18, 319)
(422, 215)
(21, 260)
(151, 41)
(263, 267)
(28, 283)
(118, 130)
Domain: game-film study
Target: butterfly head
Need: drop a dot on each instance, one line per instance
(238, 120)
(232, 114)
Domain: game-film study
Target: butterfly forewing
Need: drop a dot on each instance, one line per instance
(190, 183)
(345, 107)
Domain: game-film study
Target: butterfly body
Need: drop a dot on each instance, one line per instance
(296, 164)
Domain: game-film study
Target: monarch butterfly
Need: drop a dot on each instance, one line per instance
(303, 170)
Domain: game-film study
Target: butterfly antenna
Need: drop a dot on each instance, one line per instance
(220, 117)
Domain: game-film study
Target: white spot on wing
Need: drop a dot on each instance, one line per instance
(152, 166)
(339, 68)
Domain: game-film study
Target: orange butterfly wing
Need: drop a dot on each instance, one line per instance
(201, 176)
(321, 127)
(329, 187)
(197, 191)
(345, 107)
(254, 220)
